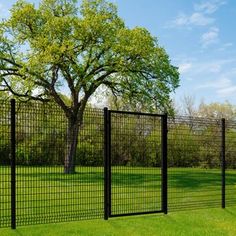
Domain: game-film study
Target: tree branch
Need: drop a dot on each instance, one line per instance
(70, 82)
(59, 101)
(26, 95)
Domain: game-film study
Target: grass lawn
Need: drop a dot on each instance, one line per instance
(196, 222)
(46, 195)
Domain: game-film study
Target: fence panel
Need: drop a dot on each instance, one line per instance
(5, 167)
(230, 163)
(44, 193)
(135, 163)
(194, 157)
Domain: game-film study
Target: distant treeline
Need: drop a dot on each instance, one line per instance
(41, 135)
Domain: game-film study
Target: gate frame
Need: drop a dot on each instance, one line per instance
(107, 163)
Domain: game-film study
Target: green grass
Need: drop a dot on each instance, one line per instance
(47, 195)
(209, 222)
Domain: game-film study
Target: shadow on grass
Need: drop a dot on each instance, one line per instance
(184, 178)
(231, 211)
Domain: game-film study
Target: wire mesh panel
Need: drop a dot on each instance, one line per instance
(44, 192)
(230, 156)
(194, 160)
(135, 163)
(5, 169)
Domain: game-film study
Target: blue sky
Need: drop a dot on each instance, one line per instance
(199, 36)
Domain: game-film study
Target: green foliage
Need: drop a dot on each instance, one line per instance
(41, 149)
(83, 47)
(231, 147)
(135, 141)
(41, 136)
(4, 146)
(89, 154)
(183, 147)
(59, 44)
(217, 110)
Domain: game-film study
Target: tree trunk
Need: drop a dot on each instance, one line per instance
(72, 141)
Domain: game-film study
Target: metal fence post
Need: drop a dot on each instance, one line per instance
(106, 165)
(164, 163)
(223, 165)
(109, 163)
(13, 164)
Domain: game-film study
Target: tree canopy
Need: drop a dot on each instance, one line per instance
(61, 46)
(217, 110)
(82, 47)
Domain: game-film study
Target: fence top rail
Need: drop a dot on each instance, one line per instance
(197, 119)
(136, 113)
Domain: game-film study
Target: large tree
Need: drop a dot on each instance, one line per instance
(60, 44)
(217, 110)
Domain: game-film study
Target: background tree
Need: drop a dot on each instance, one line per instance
(188, 106)
(60, 45)
(126, 103)
(217, 110)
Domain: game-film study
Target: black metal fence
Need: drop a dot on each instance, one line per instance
(230, 157)
(5, 167)
(137, 165)
(132, 147)
(195, 161)
(44, 194)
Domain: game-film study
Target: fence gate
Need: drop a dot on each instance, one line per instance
(135, 163)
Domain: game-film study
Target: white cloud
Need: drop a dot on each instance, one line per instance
(217, 75)
(223, 85)
(217, 84)
(209, 7)
(181, 19)
(184, 67)
(200, 19)
(210, 37)
(196, 19)
(208, 67)
(200, 15)
(225, 92)
(225, 46)
(195, 68)
(213, 79)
